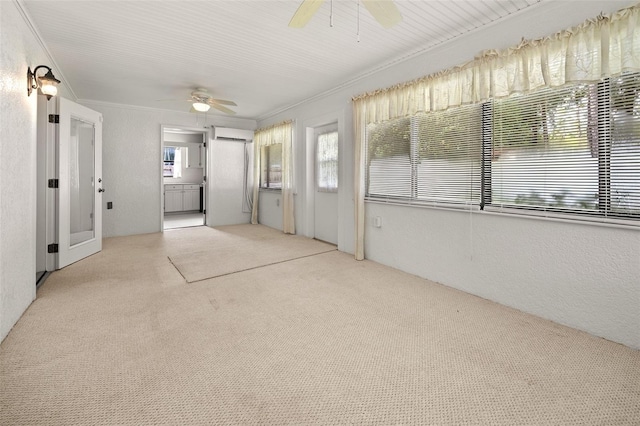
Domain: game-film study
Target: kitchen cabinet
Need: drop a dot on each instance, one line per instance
(194, 156)
(181, 198)
(173, 198)
(191, 197)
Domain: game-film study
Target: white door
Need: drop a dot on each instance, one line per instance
(326, 185)
(79, 135)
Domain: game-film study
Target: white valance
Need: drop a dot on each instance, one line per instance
(601, 47)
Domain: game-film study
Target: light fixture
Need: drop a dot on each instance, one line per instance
(201, 107)
(46, 83)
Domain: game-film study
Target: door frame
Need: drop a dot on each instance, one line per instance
(206, 139)
(46, 202)
(309, 128)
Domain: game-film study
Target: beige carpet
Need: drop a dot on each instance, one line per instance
(121, 339)
(230, 249)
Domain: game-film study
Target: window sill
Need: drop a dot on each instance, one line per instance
(630, 224)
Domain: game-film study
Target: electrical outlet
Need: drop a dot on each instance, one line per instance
(109, 205)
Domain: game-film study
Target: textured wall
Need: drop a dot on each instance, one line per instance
(19, 49)
(131, 164)
(581, 275)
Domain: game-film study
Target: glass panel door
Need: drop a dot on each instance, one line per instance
(79, 218)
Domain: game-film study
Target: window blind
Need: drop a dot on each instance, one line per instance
(388, 170)
(624, 178)
(574, 149)
(428, 158)
(449, 155)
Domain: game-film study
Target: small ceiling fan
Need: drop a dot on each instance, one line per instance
(384, 11)
(202, 100)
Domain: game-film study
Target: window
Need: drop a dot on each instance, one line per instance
(172, 164)
(169, 156)
(428, 158)
(574, 149)
(327, 161)
(271, 161)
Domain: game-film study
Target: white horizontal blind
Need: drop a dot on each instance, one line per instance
(541, 155)
(449, 155)
(430, 158)
(388, 170)
(624, 173)
(572, 150)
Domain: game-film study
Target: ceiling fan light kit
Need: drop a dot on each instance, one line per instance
(202, 101)
(201, 107)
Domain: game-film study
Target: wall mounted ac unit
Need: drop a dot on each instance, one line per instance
(232, 135)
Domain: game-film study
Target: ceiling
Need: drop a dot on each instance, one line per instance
(142, 52)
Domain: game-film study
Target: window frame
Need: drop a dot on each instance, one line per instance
(605, 213)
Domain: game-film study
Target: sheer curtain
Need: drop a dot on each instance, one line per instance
(605, 46)
(177, 163)
(278, 133)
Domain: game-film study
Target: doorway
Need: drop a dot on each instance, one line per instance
(184, 160)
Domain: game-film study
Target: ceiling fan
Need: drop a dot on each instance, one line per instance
(202, 100)
(384, 11)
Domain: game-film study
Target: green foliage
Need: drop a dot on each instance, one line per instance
(559, 199)
(389, 138)
(452, 134)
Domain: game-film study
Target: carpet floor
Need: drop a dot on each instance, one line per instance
(120, 338)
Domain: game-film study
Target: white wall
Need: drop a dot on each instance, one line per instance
(270, 209)
(19, 49)
(584, 276)
(227, 177)
(132, 161)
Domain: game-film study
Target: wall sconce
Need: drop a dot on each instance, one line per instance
(46, 83)
(201, 107)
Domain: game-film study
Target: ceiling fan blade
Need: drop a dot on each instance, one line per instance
(384, 11)
(223, 109)
(223, 102)
(305, 11)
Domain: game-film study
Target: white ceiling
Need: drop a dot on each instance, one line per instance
(137, 52)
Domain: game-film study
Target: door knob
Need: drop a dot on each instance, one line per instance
(101, 190)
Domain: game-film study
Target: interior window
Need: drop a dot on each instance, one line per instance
(271, 161)
(172, 162)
